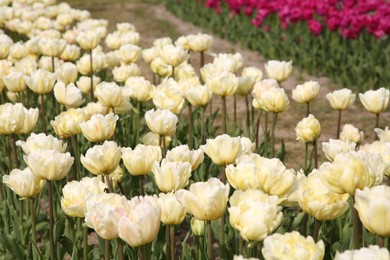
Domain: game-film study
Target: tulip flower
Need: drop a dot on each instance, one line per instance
(375, 101)
(371, 252)
(171, 176)
(278, 70)
(99, 128)
(334, 147)
(306, 93)
(351, 134)
(41, 141)
(40, 81)
(68, 95)
(182, 153)
(24, 183)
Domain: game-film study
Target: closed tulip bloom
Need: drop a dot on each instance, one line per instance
(375, 101)
(113, 40)
(153, 139)
(67, 73)
(84, 64)
(199, 96)
(24, 183)
(141, 159)
(228, 62)
(252, 72)
(243, 198)
(150, 54)
(5, 46)
(94, 108)
(373, 206)
(172, 212)
(11, 118)
(27, 65)
(182, 153)
(341, 99)
(223, 84)
(67, 123)
(103, 212)
(70, 53)
(306, 92)
(383, 134)
(379, 148)
(30, 120)
(159, 67)
(129, 53)
(5, 69)
(274, 100)
(14, 81)
(205, 200)
(141, 224)
(46, 63)
(261, 87)
(223, 149)
(351, 134)
(199, 42)
(171, 176)
(173, 55)
(40, 81)
(161, 42)
(372, 252)
(99, 127)
(50, 165)
(41, 141)
(109, 94)
(255, 220)
(161, 122)
(242, 176)
(346, 173)
(308, 129)
(197, 227)
(102, 159)
(168, 96)
(273, 178)
(123, 72)
(247, 146)
(318, 201)
(278, 70)
(18, 51)
(292, 246)
(245, 85)
(84, 83)
(139, 88)
(334, 147)
(51, 47)
(88, 40)
(125, 27)
(68, 95)
(75, 193)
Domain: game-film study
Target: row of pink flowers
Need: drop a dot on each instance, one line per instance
(349, 17)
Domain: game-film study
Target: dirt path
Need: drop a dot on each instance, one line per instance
(153, 21)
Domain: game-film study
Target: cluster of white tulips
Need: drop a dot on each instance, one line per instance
(107, 118)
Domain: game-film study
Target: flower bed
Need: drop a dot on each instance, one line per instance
(347, 42)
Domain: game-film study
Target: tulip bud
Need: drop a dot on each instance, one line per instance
(278, 70)
(349, 133)
(84, 83)
(223, 150)
(99, 128)
(172, 212)
(129, 53)
(199, 42)
(88, 40)
(11, 118)
(308, 129)
(153, 139)
(171, 176)
(24, 183)
(14, 81)
(173, 55)
(161, 122)
(341, 99)
(375, 101)
(69, 96)
(306, 92)
(67, 73)
(182, 153)
(197, 227)
(223, 84)
(122, 73)
(41, 141)
(274, 100)
(140, 161)
(102, 159)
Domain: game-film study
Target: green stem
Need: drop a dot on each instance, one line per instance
(224, 115)
(120, 249)
(173, 72)
(315, 154)
(43, 117)
(51, 216)
(380, 241)
(137, 123)
(91, 75)
(266, 133)
(304, 224)
(15, 151)
(317, 226)
(33, 223)
(307, 108)
(222, 234)
(53, 68)
(172, 239)
(339, 124)
(85, 242)
(248, 250)
(107, 176)
(275, 120)
(8, 148)
(209, 241)
(201, 59)
(257, 131)
(107, 249)
(241, 245)
(142, 253)
(235, 111)
(376, 124)
(306, 170)
(76, 153)
(357, 227)
(168, 241)
(141, 185)
(190, 127)
(202, 125)
(248, 122)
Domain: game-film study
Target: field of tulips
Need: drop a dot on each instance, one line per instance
(183, 159)
(344, 40)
